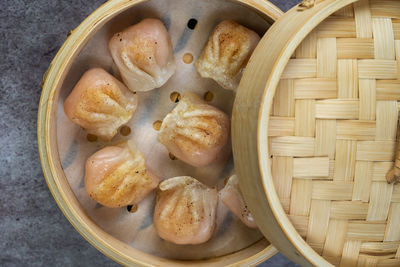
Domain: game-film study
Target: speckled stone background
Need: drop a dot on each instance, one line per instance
(33, 231)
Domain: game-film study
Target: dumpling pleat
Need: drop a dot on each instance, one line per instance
(100, 104)
(194, 131)
(185, 212)
(123, 179)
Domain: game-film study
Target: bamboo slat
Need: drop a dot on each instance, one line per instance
(386, 120)
(311, 167)
(304, 118)
(377, 69)
(350, 254)
(326, 58)
(349, 210)
(383, 38)
(315, 88)
(392, 232)
(355, 48)
(323, 190)
(362, 16)
(388, 90)
(379, 247)
(335, 27)
(366, 231)
(376, 150)
(337, 109)
(347, 77)
(300, 68)
(345, 160)
(396, 28)
(331, 168)
(283, 180)
(294, 146)
(364, 260)
(284, 99)
(335, 238)
(367, 94)
(357, 129)
(379, 203)
(385, 8)
(281, 126)
(347, 11)
(318, 224)
(308, 48)
(325, 138)
(301, 197)
(362, 181)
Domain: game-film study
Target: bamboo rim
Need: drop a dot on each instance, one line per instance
(52, 80)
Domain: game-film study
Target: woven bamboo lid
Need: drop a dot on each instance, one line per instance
(314, 139)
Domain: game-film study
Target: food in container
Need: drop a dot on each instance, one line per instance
(194, 131)
(143, 54)
(117, 176)
(185, 211)
(100, 103)
(226, 53)
(232, 197)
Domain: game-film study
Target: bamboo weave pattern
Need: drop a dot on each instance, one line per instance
(333, 136)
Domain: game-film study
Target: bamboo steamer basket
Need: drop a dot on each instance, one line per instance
(54, 174)
(315, 137)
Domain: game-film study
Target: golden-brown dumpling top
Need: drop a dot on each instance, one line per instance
(232, 197)
(143, 54)
(185, 211)
(226, 53)
(194, 131)
(100, 103)
(116, 176)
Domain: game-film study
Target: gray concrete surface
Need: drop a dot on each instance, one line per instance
(33, 231)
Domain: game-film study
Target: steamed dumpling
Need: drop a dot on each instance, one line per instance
(143, 54)
(232, 197)
(194, 131)
(226, 53)
(116, 176)
(100, 104)
(185, 211)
